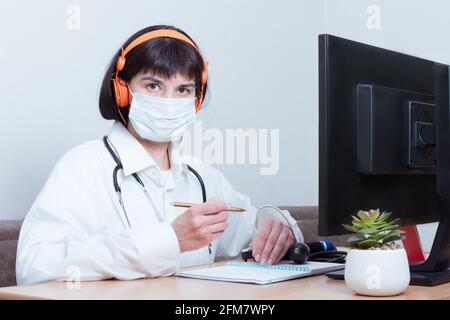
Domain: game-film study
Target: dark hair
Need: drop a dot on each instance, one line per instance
(163, 56)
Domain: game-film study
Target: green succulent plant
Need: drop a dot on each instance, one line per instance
(373, 229)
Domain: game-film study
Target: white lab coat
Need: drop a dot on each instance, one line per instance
(77, 228)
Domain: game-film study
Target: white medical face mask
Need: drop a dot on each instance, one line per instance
(161, 119)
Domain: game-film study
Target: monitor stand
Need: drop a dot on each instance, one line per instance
(435, 278)
(435, 270)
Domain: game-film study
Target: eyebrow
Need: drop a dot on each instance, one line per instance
(151, 78)
(184, 85)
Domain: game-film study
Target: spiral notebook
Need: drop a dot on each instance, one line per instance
(253, 272)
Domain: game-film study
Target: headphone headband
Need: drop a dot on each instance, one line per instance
(156, 34)
(168, 33)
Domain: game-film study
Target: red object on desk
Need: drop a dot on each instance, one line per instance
(412, 244)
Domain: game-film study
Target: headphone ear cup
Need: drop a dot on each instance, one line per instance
(204, 76)
(200, 99)
(121, 92)
(198, 103)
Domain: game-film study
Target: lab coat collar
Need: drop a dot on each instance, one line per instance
(133, 155)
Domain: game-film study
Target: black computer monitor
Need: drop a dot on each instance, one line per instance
(379, 142)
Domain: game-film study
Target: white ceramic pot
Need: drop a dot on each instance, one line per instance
(377, 272)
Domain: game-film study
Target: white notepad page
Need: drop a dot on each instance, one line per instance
(253, 272)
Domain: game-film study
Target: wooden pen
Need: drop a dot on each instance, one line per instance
(188, 205)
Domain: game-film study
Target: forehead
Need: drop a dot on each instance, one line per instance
(176, 78)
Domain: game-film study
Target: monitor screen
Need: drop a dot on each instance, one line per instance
(376, 134)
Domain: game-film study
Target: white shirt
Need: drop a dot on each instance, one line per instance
(77, 225)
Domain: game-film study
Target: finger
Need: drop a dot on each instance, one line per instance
(271, 240)
(274, 255)
(211, 206)
(218, 227)
(199, 221)
(213, 236)
(286, 248)
(287, 244)
(214, 218)
(260, 239)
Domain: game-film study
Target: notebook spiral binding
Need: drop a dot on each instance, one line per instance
(289, 267)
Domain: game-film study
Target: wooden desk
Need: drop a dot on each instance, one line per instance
(174, 288)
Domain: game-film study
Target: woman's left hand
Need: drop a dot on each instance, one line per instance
(272, 242)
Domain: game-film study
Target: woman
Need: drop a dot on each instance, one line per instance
(106, 211)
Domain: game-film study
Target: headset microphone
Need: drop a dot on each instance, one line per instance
(323, 245)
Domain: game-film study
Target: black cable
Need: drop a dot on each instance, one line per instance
(111, 152)
(118, 167)
(328, 256)
(116, 183)
(202, 184)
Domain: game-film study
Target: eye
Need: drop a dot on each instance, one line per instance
(153, 86)
(184, 91)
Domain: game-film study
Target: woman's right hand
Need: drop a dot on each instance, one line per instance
(201, 224)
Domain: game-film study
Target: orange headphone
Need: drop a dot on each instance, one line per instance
(121, 92)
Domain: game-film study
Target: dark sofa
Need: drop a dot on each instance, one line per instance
(9, 233)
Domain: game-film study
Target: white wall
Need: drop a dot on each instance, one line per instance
(415, 27)
(263, 74)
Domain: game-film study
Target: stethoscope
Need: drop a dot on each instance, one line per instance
(139, 181)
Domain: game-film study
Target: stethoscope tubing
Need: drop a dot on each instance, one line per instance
(118, 190)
